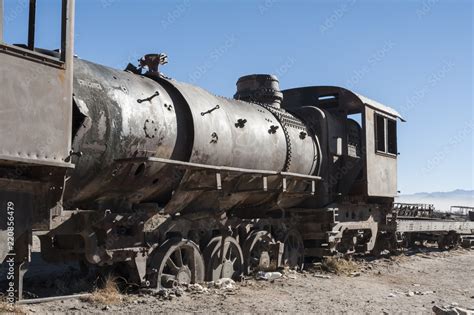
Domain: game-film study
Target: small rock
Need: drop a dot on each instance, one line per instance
(416, 284)
(392, 295)
(410, 293)
(355, 274)
(106, 308)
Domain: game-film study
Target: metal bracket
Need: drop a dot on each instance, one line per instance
(211, 110)
(226, 169)
(218, 181)
(148, 99)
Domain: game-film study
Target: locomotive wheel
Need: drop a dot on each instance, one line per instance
(177, 262)
(448, 241)
(293, 255)
(223, 259)
(256, 251)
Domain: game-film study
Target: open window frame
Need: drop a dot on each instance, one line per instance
(385, 135)
(29, 52)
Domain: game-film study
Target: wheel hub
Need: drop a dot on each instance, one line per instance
(227, 269)
(264, 261)
(184, 275)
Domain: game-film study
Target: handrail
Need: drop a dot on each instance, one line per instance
(216, 168)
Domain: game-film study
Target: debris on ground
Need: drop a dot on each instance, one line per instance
(339, 266)
(269, 276)
(107, 295)
(451, 310)
(291, 273)
(9, 308)
(196, 288)
(318, 275)
(225, 284)
(441, 282)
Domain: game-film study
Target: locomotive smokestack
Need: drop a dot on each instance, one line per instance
(259, 88)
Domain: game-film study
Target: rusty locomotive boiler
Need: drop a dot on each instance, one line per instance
(121, 115)
(167, 183)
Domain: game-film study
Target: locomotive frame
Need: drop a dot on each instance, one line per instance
(219, 220)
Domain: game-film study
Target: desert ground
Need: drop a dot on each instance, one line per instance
(412, 282)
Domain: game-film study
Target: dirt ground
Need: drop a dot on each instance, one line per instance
(412, 282)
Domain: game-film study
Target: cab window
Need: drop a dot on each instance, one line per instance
(385, 135)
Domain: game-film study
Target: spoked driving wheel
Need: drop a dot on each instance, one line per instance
(256, 251)
(223, 259)
(176, 262)
(293, 255)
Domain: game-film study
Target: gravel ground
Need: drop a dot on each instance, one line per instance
(406, 283)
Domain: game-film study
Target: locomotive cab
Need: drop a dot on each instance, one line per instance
(358, 140)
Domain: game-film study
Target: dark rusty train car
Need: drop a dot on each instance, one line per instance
(169, 183)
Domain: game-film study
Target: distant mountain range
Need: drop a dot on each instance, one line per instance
(441, 200)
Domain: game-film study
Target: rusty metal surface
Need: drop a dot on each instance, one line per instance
(225, 188)
(381, 168)
(219, 138)
(119, 114)
(413, 210)
(155, 168)
(332, 98)
(216, 168)
(124, 115)
(24, 103)
(24, 77)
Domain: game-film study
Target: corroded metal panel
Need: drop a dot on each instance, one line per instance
(119, 114)
(233, 133)
(381, 168)
(36, 101)
(35, 106)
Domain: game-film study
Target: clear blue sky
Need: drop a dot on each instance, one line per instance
(415, 56)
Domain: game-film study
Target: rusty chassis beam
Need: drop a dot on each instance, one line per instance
(52, 298)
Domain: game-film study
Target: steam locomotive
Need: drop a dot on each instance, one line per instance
(167, 183)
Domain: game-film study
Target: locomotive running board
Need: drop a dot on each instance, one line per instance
(219, 169)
